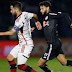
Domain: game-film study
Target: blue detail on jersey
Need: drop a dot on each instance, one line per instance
(16, 28)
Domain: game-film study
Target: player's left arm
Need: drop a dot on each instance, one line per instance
(32, 29)
(11, 32)
(71, 25)
(37, 23)
(70, 22)
(68, 19)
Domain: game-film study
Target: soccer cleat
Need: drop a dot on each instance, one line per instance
(52, 71)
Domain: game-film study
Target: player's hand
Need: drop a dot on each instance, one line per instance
(38, 25)
(71, 26)
(32, 29)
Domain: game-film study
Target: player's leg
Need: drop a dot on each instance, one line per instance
(11, 57)
(45, 58)
(12, 63)
(43, 66)
(61, 58)
(22, 59)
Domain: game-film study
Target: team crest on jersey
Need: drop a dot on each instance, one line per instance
(46, 17)
(45, 23)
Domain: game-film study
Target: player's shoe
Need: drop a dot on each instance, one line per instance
(52, 71)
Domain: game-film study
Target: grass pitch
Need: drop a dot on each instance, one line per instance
(53, 64)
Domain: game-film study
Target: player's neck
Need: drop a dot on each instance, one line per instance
(18, 13)
(48, 11)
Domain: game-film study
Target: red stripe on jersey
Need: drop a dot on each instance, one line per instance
(22, 49)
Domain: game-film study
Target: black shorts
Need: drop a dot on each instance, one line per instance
(53, 50)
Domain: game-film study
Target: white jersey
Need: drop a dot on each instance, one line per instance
(22, 26)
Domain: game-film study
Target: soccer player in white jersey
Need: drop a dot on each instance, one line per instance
(22, 27)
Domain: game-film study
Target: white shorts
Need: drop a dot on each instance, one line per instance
(22, 53)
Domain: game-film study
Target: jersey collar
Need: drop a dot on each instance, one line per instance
(19, 15)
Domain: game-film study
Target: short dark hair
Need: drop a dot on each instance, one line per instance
(45, 3)
(16, 4)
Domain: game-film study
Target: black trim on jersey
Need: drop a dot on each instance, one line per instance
(25, 57)
(19, 15)
(22, 28)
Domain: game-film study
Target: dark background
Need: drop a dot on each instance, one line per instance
(7, 20)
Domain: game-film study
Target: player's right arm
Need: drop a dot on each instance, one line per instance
(11, 32)
(15, 28)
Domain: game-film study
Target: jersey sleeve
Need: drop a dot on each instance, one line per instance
(30, 15)
(17, 26)
(67, 18)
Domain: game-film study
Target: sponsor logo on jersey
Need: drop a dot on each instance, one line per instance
(45, 23)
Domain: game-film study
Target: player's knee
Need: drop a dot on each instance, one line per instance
(10, 58)
(40, 64)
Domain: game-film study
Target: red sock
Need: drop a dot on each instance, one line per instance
(12, 66)
(13, 70)
(24, 67)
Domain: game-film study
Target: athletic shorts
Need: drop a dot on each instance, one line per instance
(53, 50)
(22, 53)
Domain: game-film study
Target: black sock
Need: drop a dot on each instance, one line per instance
(28, 69)
(69, 63)
(45, 68)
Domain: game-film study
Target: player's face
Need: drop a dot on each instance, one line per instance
(13, 10)
(43, 9)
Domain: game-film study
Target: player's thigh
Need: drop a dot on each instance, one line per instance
(61, 58)
(14, 52)
(41, 62)
(21, 59)
(27, 51)
(24, 55)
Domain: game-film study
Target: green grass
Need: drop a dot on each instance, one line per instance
(53, 64)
